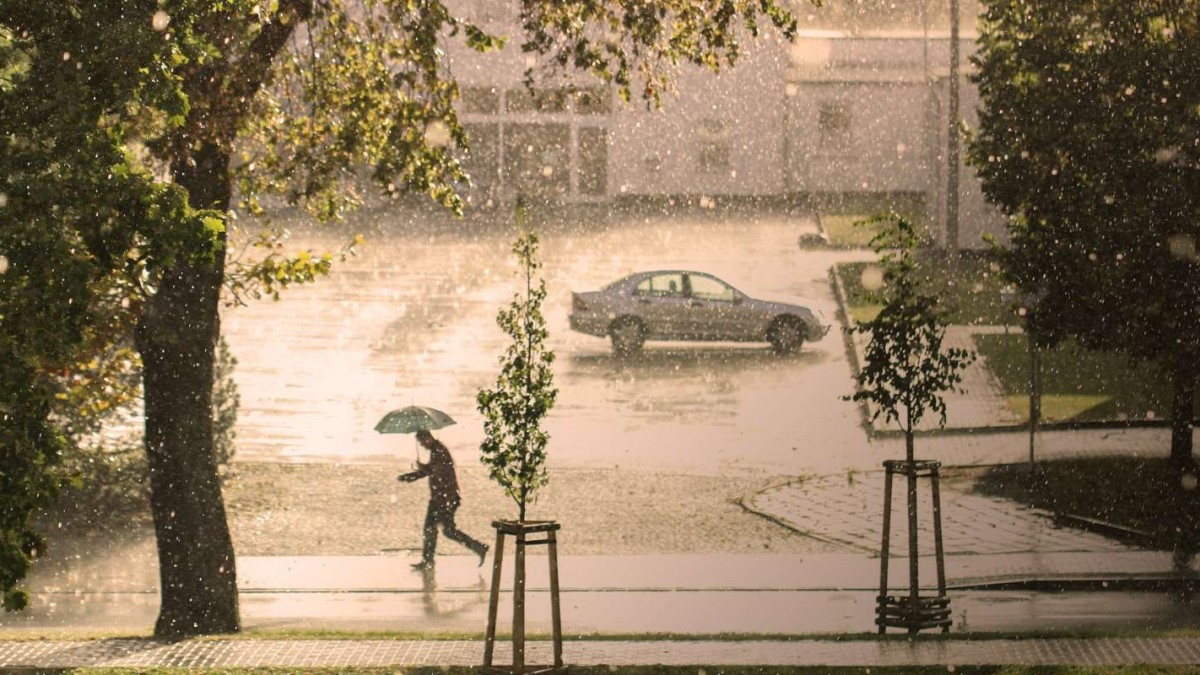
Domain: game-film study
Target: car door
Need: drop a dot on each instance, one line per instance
(712, 308)
(658, 300)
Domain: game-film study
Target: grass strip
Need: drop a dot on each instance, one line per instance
(1077, 384)
(968, 287)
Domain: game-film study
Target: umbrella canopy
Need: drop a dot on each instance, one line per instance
(412, 419)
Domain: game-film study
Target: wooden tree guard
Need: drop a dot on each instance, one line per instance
(520, 531)
(912, 611)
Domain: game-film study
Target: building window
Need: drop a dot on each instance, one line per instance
(593, 161)
(833, 124)
(538, 100)
(536, 159)
(713, 153)
(480, 100)
(482, 161)
(592, 101)
(714, 156)
(490, 11)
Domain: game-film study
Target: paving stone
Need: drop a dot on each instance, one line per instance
(374, 652)
(849, 510)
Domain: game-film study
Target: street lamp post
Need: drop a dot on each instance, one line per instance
(952, 149)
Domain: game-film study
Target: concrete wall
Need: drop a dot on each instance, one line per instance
(715, 134)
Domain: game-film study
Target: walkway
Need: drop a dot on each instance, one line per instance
(364, 653)
(846, 509)
(982, 404)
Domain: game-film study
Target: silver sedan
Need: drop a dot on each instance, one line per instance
(685, 305)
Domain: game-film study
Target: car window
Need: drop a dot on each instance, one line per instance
(660, 285)
(708, 288)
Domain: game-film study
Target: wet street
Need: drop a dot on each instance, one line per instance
(411, 320)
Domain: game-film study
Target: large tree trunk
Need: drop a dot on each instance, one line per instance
(177, 339)
(1183, 409)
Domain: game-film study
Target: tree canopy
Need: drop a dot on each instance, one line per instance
(135, 130)
(1087, 139)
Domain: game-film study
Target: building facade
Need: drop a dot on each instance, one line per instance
(826, 115)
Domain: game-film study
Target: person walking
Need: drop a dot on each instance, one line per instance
(444, 500)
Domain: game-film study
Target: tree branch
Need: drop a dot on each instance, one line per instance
(251, 71)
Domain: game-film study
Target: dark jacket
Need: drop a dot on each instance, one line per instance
(443, 482)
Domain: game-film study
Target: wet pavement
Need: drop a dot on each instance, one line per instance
(681, 594)
(368, 652)
(411, 321)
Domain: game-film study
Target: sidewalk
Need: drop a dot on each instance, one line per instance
(981, 405)
(767, 594)
(365, 653)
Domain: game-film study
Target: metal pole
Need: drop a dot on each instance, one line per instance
(952, 151)
(1035, 393)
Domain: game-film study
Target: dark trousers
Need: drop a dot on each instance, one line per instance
(443, 514)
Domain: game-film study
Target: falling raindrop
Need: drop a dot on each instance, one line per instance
(437, 134)
(1181, 246)
(3, 264)
(3, 200)
(160, 20)
(66, 56)
(872, 277)
(1166, 155)
(1189, 481)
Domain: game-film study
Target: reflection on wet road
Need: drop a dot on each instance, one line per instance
(412, 320)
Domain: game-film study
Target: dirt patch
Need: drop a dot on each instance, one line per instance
(332, 509)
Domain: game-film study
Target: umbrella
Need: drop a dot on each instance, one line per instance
(412, 419)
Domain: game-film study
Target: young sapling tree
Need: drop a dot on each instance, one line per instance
(514, 444)
(906, 366)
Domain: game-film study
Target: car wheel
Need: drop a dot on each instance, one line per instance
(627, 336)
(786, 335)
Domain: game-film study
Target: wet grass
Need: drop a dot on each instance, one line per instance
(968, 287)
(1077, 384)
(840, 213)
(841, 231)
(1143, 494)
